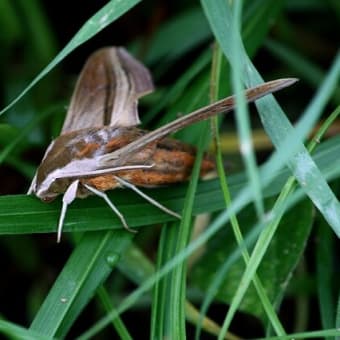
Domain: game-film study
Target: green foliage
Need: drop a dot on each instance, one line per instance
(275, 268)
(270, 233)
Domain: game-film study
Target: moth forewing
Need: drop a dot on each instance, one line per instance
(107, 91)
(101, 149)
(222, 106)
(134, 82)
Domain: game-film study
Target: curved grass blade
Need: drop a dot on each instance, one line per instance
(279, 129)
(89, 265)
(276, 123)
(105, 16)
(22, 214)
(242, 117)
(16, 332)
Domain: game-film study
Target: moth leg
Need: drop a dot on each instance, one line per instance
(69, 196)
(111, 205)
(146, 197)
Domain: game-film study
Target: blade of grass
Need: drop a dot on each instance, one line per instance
(178, 286)
(263, 13)
(21, 214)
(325, 273)
(105, 16)
(219, 10)
(177, 291)
(306, 335)
(239, 202)
(259, 16)
(117, 323)
(324, 257)
(235, 225)
(184, 32)
(137, 267)
(180, 257)
(13, 331)
(267, 234)
(276, 123)
(89, 265)
(242, 114)
(337, 317)
(214, 91)
(161, 291)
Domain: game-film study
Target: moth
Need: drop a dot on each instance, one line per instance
(100, 146)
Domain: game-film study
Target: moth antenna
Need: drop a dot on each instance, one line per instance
(146, 197)
(68, 198)
(111, 205)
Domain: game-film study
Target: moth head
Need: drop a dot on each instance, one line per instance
(46, 193)
(48, 199)
(47, 189)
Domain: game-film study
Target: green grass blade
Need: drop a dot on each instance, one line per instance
(14, 331)
(89, 265)
(261, 246)
(117, 323)
(236, 229)
(276, 123)
(237, 204)
(105, 16)
(22, 214)
(159, 309)
(325, 265)
(277, 127)
(258, 19)
(242, 115)
(170, 265)
(337, 316)
(183, 33)
(178, 287)
(306, 335)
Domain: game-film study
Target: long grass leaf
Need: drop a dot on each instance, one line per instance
(276, 123)
(242, 114)
(105, 16)
(89, 265)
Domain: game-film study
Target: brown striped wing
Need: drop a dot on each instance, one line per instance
(107, 91)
